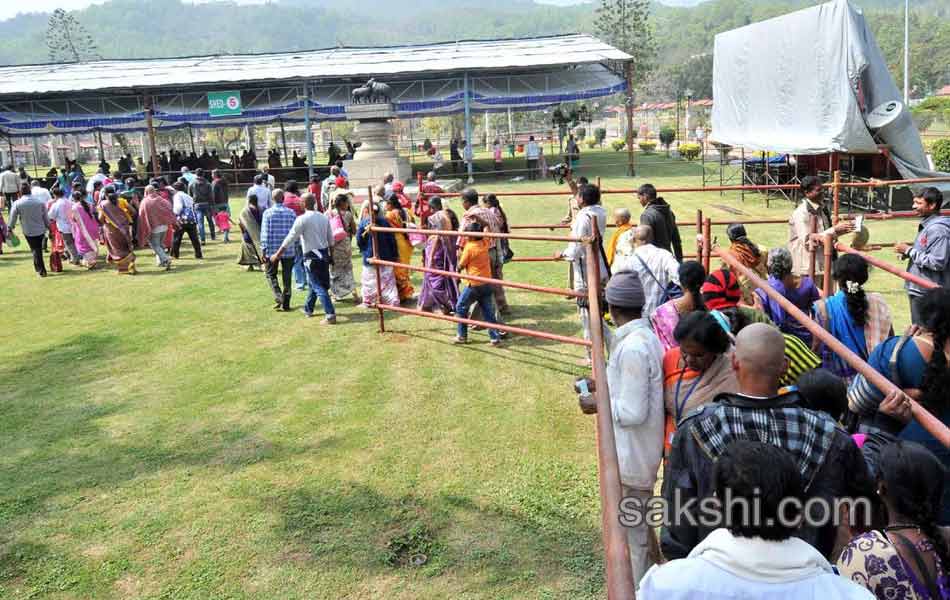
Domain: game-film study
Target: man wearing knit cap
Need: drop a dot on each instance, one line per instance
(635, 381)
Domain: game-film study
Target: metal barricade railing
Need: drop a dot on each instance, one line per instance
(620, 583)
(928, 421)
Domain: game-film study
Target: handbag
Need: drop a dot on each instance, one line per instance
(671, 291)
(337, 228)
(507, 252)
(416, 239)
(13, 240)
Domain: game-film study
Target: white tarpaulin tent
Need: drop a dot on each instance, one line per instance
(801, 83)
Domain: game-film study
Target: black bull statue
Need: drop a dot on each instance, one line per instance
(372, 92)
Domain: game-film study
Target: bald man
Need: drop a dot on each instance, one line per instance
(622, 233)
(829, 461)
(656, 267)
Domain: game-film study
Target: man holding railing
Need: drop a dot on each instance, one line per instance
(812, 215)
(929, 254)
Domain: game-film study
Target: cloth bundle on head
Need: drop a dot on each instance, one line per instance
(398, 187)
(625, 290)
(736, 231)
(340, 181)
(742, 247)
(721, 290)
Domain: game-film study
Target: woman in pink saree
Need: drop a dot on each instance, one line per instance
(85, 231)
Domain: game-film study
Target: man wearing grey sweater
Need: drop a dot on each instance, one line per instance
(31, 212)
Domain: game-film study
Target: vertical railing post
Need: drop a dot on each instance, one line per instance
(379, 277)
(620, 584)
(699, 232)
(836, 194)
(420, 197)
(811, 248)
(828, 284)
(707, 243)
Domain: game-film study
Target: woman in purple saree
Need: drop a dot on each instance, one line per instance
(439, 291)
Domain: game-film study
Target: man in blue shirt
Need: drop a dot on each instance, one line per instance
(275, 225)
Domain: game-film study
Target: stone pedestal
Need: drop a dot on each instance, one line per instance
(376, 155)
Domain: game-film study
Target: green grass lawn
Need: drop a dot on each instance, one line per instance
(169, 436)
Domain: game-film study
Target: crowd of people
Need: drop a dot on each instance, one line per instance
(710, 378)
(715, 385)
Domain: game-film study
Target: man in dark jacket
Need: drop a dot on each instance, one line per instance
(219, 198)
(829, 461)
(201, 192)
(659, 216)
(929, 255)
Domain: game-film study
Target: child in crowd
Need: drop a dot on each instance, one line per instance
(475, 261)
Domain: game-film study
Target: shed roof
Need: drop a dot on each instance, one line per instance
(447, 58)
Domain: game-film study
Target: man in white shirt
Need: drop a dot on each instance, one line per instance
(532, 152)
(589, 199)
(60, 212)
(468, 157)
(388, 182)
(316, 236)
(655, 266)
(269, 179)
(635, 380)
(9, 186)
(38, 191)
(262, 192)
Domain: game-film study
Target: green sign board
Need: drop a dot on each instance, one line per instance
(224, 104)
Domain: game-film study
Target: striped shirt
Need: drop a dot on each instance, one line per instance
(800, 360)
(276, 223)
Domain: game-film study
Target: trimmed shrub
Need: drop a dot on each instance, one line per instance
(591, 142)
(940, 151)
(618, 145)
(580, 133)
(600, 134)
(667, 137)
(647, 146)
(690, 151)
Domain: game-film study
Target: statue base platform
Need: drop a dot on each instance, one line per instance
(376, 155)
(370, 171)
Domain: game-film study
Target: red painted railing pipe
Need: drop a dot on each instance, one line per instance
(535, 259)
(932, 424)
(729, 188)
(489, 280)
(620, 583)
(499, 326)
(886, 266)
(488, 234)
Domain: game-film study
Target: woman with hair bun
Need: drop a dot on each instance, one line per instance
(858, 319)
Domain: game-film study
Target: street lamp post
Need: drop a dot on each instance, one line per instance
(689, 96)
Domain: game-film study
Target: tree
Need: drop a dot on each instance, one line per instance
(625, 24)
(568, 116)
(667, 136)
(67, 40)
